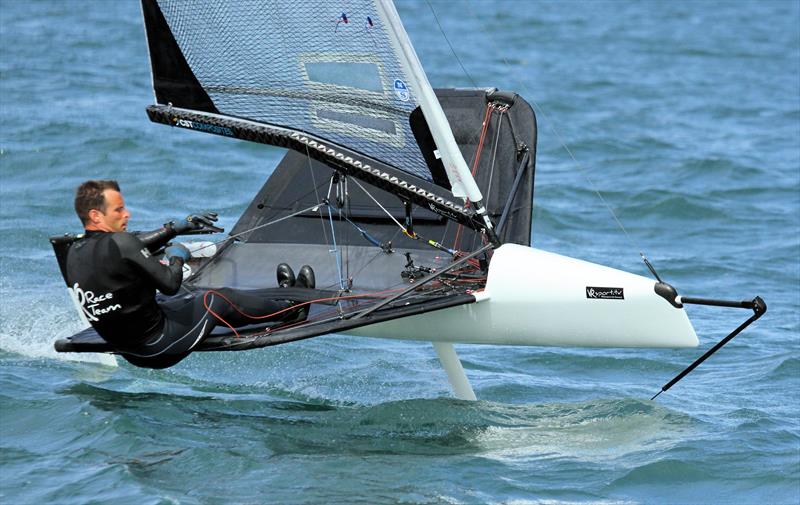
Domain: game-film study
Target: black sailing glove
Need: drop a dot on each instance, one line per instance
(202, 222)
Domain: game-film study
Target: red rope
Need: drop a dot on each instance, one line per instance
(293, 307)
(476, 162)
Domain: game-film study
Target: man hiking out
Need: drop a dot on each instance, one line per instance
(115, 275)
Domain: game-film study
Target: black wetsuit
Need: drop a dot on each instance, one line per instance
(114, 277)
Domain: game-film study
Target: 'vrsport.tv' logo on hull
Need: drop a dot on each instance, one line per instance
(604, 293)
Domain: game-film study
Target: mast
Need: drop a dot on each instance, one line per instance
(461, 181)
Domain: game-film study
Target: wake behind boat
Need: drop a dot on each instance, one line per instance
(414, 205)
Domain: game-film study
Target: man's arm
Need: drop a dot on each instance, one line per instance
(156, 239)
(166, 278)
(193, 223)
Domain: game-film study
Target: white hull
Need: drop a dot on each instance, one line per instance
(533, 297)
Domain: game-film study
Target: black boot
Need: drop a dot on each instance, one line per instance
(305, 279)
(285, 276)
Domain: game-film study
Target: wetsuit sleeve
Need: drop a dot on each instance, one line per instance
(166, 278)
(156, 239)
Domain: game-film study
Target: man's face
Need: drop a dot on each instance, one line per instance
(114, 217)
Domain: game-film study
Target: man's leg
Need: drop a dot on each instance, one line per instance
(243, 307)
(186, 323)
(190, 317)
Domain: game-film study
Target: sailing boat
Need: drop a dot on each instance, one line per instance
(408, 240)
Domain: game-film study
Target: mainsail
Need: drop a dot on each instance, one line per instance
(308, 76)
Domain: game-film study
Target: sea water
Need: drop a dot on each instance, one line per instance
(684, 116)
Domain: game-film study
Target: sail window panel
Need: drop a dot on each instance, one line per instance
(359, 120)
(353, 123)
(364, 76)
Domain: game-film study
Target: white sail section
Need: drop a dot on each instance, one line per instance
(461, 180)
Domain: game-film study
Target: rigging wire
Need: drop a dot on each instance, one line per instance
(316, 192)
(441, 30)
(369, 238)
(335, 251)
(347, 213)
(412, 234)
(487, 118)
(551, 124)
(316, 187)
(501, 111)
(382, 207)
(264, 225)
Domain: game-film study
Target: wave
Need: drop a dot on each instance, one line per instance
(665, 472)
(31, 320)
(788, 368)
(596, 430)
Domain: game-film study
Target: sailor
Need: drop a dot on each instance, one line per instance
(115, 274)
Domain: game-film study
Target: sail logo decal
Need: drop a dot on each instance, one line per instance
(599, 293)
(90, 303)
(401, 90)
(203, 127)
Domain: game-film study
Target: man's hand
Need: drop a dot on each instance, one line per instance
(202, 222)
(177, 251)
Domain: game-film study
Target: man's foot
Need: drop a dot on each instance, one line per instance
(285, 275)
(305, 279)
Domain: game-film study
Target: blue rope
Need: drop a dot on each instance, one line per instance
(366, 235)
(335, 250)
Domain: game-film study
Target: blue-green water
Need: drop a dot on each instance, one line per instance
(685, 115)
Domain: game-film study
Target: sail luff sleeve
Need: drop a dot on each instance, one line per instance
(461, 180)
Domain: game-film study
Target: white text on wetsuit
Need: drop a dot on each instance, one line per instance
(90, 302)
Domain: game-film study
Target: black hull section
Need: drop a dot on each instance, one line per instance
(89, 341)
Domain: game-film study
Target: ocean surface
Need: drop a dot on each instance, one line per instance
(684, 115)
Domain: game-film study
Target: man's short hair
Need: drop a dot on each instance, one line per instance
(90, 196)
